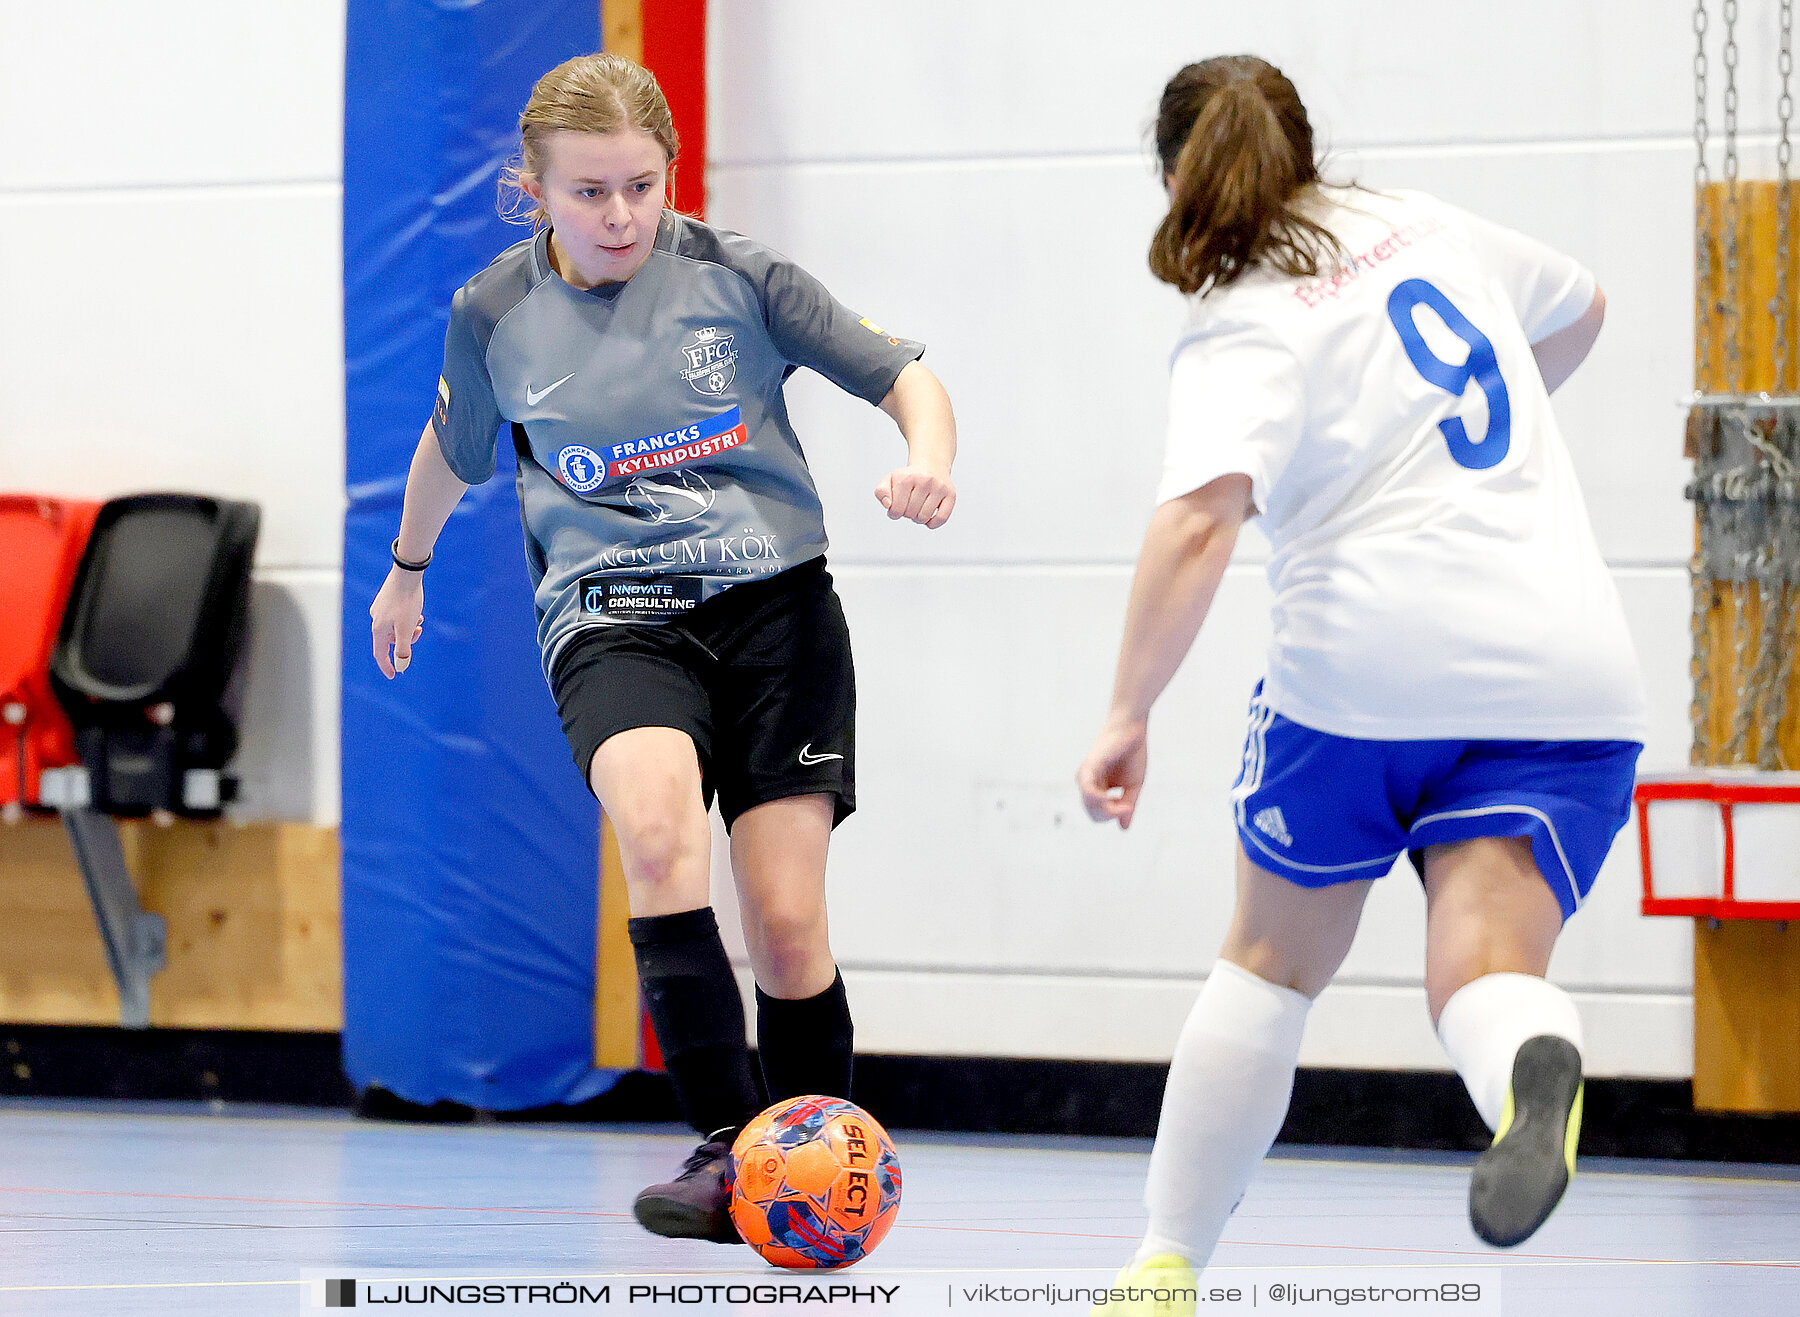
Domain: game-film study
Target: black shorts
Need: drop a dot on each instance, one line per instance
(760, 676)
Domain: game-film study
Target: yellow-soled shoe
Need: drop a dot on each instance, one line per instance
(1160, 1286)
(1520, 1179)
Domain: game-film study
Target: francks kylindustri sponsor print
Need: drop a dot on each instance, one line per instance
(583, 469)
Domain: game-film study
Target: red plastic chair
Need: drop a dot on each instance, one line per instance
(41, 543)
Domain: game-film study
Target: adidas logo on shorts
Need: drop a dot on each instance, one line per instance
(1270, 823)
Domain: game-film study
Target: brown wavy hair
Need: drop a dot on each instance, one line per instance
(1236, 150)
(588, 94)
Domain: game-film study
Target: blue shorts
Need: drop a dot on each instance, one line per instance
(1321, 809)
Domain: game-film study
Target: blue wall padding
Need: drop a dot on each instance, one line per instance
(469, 840)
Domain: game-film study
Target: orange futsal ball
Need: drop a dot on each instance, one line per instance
(816, 1183)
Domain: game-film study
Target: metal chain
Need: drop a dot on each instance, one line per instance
(1734, 339)
(1768, 574)
(1700, 575)
(1775, 569)
(1770, 449)
(1780, 587)
(1701, 578)
(1787, 553)
(1746, 493)
(1703, 245)
(1771, 599)
(1700, 710)
(1773, 712)
(1754, 489)
(1784, 154)
(1738, 494)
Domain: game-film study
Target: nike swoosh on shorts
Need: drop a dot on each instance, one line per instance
(808, 758)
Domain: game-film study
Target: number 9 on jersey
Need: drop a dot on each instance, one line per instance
(1480, 366)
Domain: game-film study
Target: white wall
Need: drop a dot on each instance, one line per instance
(170, 178)
(974, 176)
(970, 174)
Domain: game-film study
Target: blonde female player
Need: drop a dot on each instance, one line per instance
(689, 628)
(1450, 675)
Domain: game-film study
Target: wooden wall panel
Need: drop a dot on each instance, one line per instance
(253, 933)
(1757, 245)
(1756, 294)
(1747, 1016)
(52, 968)
(622, 28)
(1724, 674)
(254, 937)
(1746, 972)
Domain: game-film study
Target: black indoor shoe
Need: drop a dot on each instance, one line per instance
(694, 1204)
(1521, 1178)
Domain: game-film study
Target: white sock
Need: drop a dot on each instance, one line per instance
(1485, 1022)
(1229, 1086)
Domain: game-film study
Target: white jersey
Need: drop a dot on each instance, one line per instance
(1434, 572)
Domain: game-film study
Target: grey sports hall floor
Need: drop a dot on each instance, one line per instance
(158, 1208)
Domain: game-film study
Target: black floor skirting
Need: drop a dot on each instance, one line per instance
(1342, 1108)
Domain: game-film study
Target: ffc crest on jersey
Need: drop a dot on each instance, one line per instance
(711, 360)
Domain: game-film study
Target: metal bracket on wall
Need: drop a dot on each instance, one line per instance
(135, 939)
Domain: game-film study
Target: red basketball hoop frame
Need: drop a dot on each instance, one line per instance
(1725, 794)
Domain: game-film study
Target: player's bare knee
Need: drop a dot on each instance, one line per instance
(790, 948)
(790, 932)
(657, 850)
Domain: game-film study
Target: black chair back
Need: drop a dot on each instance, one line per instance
(155, 629)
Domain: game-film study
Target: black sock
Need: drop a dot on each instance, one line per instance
(805, 1046)
(698, 1016)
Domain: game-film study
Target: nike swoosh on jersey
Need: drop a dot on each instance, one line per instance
(808, 758)
(534, 396)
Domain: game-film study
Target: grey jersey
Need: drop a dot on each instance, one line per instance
(657, 465)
